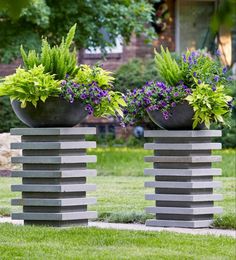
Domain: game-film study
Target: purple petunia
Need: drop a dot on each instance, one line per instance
(224, 70)
(216, 78)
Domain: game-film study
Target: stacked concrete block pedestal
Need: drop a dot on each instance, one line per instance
(54, 175)
(183, 178)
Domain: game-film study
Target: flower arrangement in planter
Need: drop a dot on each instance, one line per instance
(52, 90)
(193, 93)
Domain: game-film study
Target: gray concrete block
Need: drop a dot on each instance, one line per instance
(55, 174)
(56, 216)
(183, 185)
(183, 146)
(171, 133)
(179, 223)
(182, 159)
(54, 202)
(54, 131)
(53, 145)
(54, 159)
(184, 211)
(185, 197)
(53, 188)
(183, 172)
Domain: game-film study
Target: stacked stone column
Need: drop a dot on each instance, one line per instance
(182, 168)
(54, 173)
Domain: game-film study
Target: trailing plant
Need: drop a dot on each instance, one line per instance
(30, 86)
(152, 96)
(210, 104)
(93, 87)
(167, 67)
(57, 60)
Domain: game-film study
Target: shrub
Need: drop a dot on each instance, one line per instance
(8, 118)
(135, 74)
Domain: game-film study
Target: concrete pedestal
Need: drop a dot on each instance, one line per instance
(54, 176)
(183, 178)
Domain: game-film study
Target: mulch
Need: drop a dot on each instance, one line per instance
(5, 173)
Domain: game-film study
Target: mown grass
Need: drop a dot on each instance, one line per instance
(124, 161)
(24, 242)
(121, 199)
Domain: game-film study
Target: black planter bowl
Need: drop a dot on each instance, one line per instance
(180, 119)
(54, 112)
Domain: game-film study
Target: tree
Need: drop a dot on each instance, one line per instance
(52, 19)
(13, 8)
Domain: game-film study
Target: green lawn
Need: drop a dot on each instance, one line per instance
(22, 242)
(120, 193)
(121, 199)
(125, 161)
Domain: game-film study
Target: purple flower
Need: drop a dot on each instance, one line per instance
(195, 74)
(199, 81)
(184, 57)
(89, 108)
(63, 83)
(165, 114)
(216, 78)
(83, 96)
(214, 88)
(163, 103)
(173, 104)
(176, 94)
(224, 70)
(188, 91)
(218, 53)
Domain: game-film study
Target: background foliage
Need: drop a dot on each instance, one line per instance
(135, 74)
(8, 117)
(52, 19)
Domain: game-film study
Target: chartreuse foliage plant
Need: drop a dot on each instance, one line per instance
(57, 60)
(88, 75)
(209, 104)
(30, 86)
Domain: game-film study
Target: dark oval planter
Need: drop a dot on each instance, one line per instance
(180, 119)
(54, 112)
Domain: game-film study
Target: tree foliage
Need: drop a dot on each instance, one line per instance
(13, 8)
(52, 19)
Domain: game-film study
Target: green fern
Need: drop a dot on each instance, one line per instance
(167, 67)
(56, 60)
